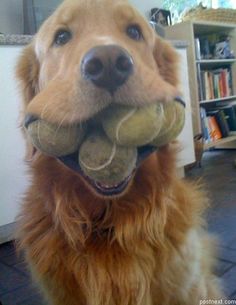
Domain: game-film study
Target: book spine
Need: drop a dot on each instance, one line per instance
(210, 79)
(221, 85)
(223, 123)
(224, 82)
(214, 129)
(230, 82)
(207, 87)
(204, 125)
(209, 138)
(230, 117)
(200, 83)
(227, 84)
(203, 93)
(215, 85)
(197, 48)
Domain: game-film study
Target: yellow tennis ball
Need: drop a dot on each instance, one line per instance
(172, 124)
(55, 140)
(132, 126)
(104, 161)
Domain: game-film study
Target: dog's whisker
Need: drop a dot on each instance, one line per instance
(59, 126)
(47, 104)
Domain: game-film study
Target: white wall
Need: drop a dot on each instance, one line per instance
(11, 16)
(144, 6)
(13, 178)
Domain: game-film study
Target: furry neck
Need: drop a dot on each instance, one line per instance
(141, 213)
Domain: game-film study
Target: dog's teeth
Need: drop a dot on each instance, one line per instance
(106, 185)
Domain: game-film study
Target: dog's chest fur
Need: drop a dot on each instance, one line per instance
(149, 258)
(107, 275)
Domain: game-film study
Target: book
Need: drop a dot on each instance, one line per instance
(197, 48)
(215, 132)
(215, 85)
(224, 83)
(210, 79)
(207, 85)
(203, 93)
(230, 116)
(221, 120)
(205, 48)
(204, 125)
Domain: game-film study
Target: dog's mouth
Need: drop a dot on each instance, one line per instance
(104, 165)
(103, 189)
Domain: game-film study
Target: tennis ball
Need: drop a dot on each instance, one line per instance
(172, 124)
(104, 161)
(55, 140)
(132, 126)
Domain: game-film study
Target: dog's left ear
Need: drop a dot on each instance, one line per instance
(27, 71)
(167, 60)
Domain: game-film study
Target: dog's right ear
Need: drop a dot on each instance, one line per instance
(27, 71)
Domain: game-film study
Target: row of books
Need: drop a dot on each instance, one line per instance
(219, 122)
(215, 84)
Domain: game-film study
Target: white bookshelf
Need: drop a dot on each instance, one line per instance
(221, 99)
(215, 61)
(220, 142)
(188, 31)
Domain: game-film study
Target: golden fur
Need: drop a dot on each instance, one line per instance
(146, 247)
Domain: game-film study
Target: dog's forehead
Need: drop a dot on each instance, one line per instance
(71, 9)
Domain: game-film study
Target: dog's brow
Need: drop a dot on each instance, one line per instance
(125, 12)
(67, 14)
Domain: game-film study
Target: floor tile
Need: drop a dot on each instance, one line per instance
(21, 295)
(227, 254)
(218, 176)
(33, 300)
(232, 243)
(11, 279)
(7, 249)
(233, 296)
(23, 268)
(10, 260)
(222, 267)
(229, 281)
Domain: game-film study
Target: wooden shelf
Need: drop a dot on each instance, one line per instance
(215, 61)
(219, 142)
(209, 27)
(220, 99)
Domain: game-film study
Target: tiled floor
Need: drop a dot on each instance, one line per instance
(16, 287)
(219, 176)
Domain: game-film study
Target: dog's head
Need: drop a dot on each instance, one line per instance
(93, 53)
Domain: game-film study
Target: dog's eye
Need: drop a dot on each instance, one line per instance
(134, 32)
(62, 37)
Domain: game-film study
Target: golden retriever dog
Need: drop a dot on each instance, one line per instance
(140, 244)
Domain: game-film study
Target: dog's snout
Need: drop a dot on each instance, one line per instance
(108, 67)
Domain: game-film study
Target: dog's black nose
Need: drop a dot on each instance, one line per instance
(29, 118)
(108, 67)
